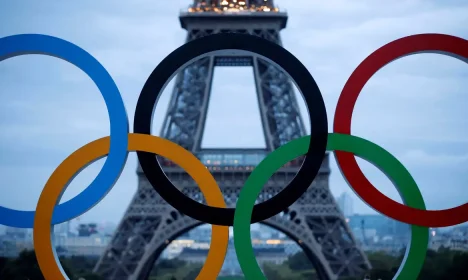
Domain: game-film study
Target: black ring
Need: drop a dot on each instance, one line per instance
(306, 84)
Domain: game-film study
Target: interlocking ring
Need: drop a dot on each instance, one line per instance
(17, 45)
(95, 150)
(416, 251)
(428, 43)
(274, 53)
(341, 142)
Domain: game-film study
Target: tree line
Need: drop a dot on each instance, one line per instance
(439, 265)
(442, 264)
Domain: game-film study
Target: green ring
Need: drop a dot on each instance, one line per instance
(415, 252)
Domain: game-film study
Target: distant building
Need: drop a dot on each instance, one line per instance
(107, 228)
(87, 229)
(455, 239)
(263, 255)
(16, 233)
(379, 233)
(175, 248)
(62, 229)
(381, 224)
(345, 202)
(82, 245)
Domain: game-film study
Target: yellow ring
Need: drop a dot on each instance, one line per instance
(58, 182)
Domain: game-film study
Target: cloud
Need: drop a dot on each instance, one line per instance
(421, 157)
(320, 40)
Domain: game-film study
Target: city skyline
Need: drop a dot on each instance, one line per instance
(44, 99)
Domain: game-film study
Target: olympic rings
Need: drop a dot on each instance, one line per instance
(439, 43)
(95, 150)
(415, 253)
(306, 84)
(41, 44)
(314, 146)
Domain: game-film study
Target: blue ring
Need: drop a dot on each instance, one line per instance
(17, 45)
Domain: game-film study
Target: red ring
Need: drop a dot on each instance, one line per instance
(429, 43)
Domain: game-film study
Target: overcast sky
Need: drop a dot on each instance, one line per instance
(415, 107)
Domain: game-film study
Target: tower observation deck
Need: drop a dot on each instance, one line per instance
(255, 13)
(233, 6)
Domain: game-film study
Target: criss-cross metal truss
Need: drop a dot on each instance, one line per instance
(314, 221)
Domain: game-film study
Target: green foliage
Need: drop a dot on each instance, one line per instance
(271, 273)
(25, 266)
(174, 270)
(81, 267)
(441, 265)
(170, 264)
(3, 263)
(299, 262)
(297, 267)
(445, 264)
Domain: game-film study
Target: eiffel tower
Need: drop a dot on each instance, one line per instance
(314, 221)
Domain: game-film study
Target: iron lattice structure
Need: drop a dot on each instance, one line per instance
(314, 221)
